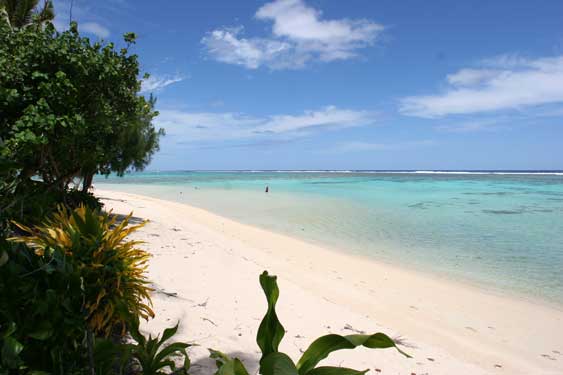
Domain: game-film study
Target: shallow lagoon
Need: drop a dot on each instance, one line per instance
(501, 230)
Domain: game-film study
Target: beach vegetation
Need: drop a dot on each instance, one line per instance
(42, 325)
(154, 354)
(69, 282)
(110, 267)
(71, 109)
(274, 362)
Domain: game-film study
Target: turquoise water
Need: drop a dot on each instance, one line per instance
(503, 231)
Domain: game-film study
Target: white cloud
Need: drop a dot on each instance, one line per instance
(361, 146)
(299, 35)
(513, 83)
(156, 83)
(94, 28)
(187, 127)
(486, 125)
(227, 46)
(466, 77)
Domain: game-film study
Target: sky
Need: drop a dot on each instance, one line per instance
(356, 84)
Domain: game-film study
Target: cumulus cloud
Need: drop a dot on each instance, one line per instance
(504, 82)
(299, 35)
(186, 127)
(155, 83)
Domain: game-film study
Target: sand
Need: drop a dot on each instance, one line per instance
(205, 272)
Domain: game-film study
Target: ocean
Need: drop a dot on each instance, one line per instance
(502, 230)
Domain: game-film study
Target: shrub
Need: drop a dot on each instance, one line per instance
(42, 326)
(152, 354)
(111, 268)
(72, 108)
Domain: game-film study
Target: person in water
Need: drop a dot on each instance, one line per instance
(267, 189)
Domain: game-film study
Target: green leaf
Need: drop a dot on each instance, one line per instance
(226, 365)
(329, 370)
(173, 349)
(270, 332)
(11, 349)
(44, 331)
(10, 330)
(3, 258)
(168, 333)
(323, 346)
(277, 364)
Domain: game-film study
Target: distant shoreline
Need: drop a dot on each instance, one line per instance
(554, 172)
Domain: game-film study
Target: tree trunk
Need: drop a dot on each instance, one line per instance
(90, 344)
(87, 182)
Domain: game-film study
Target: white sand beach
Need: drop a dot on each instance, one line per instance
(205, 271)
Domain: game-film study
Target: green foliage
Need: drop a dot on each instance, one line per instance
(271, 331)
(154, 354)
(10, 348)
(111, 269)
(110, 357)
(274, 362)
(70, 108)
(226, 365)
(41, 310)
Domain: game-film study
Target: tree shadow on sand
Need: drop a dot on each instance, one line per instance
(133, 220)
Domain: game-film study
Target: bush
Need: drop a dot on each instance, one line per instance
(111, 269)
(72, 108)
(41, 321)
(29, 201)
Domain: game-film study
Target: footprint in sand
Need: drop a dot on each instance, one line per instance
(549, 357)
(556, 352)
(471, 329)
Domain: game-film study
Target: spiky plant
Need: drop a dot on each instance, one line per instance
(21, 13)
(112, 268)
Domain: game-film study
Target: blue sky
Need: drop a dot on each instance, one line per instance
(357, 84)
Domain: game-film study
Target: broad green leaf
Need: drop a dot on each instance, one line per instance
(173, 349)
(44, 331)
(271, 331)
(3, 258)
(10, 330)
(11, 349)
(329, 370)
(226, 365)
(168, 333)
(323, 346)
(277, 364)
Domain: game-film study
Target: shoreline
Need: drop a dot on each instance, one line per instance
(441, 275)
(468, 325)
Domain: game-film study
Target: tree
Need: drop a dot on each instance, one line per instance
(21, 13)
(70, 109)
